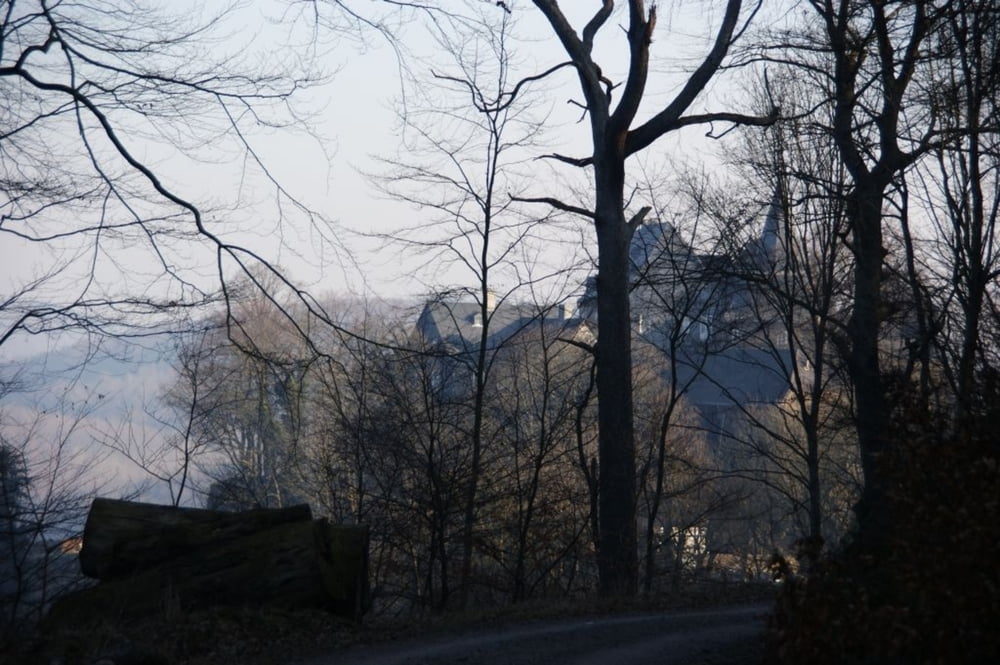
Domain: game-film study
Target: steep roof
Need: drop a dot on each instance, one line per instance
(723, 368)
(737, 376)
(460, 324)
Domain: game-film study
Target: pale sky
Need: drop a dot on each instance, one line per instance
(355, 119)
(362, 121)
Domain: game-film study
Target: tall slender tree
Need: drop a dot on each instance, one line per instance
(468, 131)
(876, 51)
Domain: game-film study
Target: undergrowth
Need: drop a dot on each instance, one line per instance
(932, 594)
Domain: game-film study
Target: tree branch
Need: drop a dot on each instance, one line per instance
(579, 53)
(555, 203)
(500, 104)
(637, 218)
(589, 348)
(666, 120)
(575, 161)
(704, 118)
(640, 35)
(595, 24)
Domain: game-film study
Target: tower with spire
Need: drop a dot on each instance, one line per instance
(706, 309)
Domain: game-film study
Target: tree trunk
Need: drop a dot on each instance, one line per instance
(654, 508)
(617, 557)
(613, 142)
(864, 208)
(588, 467)
(480, 376)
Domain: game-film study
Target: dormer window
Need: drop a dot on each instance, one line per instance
(477, 320)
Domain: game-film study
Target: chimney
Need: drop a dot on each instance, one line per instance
(491, 301)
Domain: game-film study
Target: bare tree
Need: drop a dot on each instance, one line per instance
(958, 188)
(875, 53)
(467, 133)
(675, 475)
(342, 398)
(677, 298)
(799, 296)
(616, 137)
(540, 520)
(420, 465)
(248, 408)
(46, 482)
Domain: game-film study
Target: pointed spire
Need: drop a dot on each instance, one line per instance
(770, 234)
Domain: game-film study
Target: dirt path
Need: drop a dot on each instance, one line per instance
(727, 636)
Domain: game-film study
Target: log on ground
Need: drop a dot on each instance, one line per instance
(122, 538)
(298, 564)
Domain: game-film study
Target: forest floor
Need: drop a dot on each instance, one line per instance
(711, 624)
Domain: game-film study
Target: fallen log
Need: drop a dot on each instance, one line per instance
(122, 538)
(297, 564)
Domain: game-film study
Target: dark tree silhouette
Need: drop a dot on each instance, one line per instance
(616, 136)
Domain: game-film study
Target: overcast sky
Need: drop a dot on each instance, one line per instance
(364, 124)
(354, 118)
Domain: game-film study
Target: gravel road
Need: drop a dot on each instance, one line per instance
(728, 636)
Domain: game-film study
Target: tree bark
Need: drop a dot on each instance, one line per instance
(617, 559)
(865, 212)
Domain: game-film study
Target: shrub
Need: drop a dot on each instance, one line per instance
(931, 596)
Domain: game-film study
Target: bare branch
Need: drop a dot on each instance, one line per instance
(666, 120)
(575, 161)
(505, 99)
(737, 119)
(595, 24)
(637, 218)
(555, 203)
